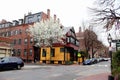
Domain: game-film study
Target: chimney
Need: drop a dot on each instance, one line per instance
(3, 21)
(48, 13)
(54, 17)
(79, 29)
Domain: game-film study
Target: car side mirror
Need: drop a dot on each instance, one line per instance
(2, 60)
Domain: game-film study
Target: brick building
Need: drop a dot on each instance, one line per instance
(17, 30)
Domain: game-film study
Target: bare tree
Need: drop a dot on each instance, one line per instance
(107, 13)
(90, 38)
(92, 43)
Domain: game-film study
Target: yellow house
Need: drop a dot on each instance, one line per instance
(56, 55)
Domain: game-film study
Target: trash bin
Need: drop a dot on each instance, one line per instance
(110, 77)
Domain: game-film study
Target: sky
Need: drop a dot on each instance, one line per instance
(70, 12)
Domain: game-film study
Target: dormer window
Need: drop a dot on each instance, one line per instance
(30, 19)
(15, 23)
(20, 21)
(3, 25)
(38, 18)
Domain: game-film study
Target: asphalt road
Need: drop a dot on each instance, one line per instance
(55, 72)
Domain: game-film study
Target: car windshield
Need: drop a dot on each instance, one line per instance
(5, 59)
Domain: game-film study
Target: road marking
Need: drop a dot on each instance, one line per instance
(100, 65)
(55, 75)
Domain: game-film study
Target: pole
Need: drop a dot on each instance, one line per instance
(110, 77)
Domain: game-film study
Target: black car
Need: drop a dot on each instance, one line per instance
(11, 63)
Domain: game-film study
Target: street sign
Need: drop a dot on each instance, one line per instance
(118, 45)
(115, 41)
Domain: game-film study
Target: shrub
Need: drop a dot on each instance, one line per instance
(116, 64)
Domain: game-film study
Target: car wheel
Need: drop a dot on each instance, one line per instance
(18, 67)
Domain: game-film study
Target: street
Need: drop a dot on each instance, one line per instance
(56, 72)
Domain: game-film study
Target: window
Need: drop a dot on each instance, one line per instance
(2, 25)
(44, 53)
(19, 41)
(12, 33)
(19, 52)
(31, 40)
(26, 30)
(25, 52)
(14, 41)
(77, 43)
(38, 18)
(14, 51)
(30, 19)
(52, 52)
(16, 32)
(61, 49)
(20, 31)
(6, 34)
(30, 52)
(9, 33)
(25, 41)
(68, 40)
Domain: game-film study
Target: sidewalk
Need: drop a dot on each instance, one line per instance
(102, 76)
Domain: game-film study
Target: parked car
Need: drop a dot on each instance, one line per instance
(87, 62)
(11, 63)
(94, 60)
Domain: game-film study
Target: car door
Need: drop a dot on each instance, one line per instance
(12, 63)
(5, 63)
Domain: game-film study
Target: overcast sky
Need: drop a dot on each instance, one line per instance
(70, 12)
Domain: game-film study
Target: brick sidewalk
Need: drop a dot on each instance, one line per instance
(102, 76)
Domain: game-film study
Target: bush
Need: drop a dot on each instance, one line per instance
(116, 64)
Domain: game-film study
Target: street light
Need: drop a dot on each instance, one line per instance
(110, 53)
(109, 40)
(110, 48)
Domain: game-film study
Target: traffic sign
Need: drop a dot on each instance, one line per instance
(118, 45)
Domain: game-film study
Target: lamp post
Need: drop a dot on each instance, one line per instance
(110, 48)
(110, 53)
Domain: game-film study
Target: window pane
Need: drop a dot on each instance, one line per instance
(19, 41)
(19, 52)
(44, 53)
(52, 52)
(30, 52)
(25, 41)
(25, 52)
(61, 49)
